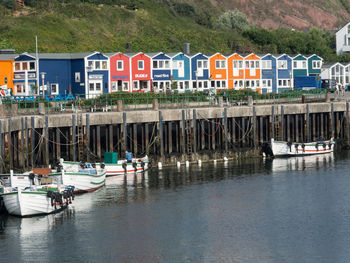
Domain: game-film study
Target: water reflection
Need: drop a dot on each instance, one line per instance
(239, 211)
(301, 163)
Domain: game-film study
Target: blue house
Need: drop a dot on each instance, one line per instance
(268, 73)
(55, 73)
(25, 75)
(181, 71)
(89, 74)
(284, 73)
(161, 71)
(200, 72)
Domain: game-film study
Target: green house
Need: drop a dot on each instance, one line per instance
(300, 67)
(314, 65)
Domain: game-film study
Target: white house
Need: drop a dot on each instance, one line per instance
(343, 39)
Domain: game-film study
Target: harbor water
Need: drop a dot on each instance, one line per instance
(282, 210)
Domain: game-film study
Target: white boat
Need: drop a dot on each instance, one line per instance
(282, 148)
(37, 200)
(83, 177)
(121, 167)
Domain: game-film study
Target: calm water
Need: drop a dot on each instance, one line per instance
(288, 210)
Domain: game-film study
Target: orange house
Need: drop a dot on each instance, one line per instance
(218, 71)
(252, 72)
(6, 71)
(235, 72)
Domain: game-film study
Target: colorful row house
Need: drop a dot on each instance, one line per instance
(92, 74)
(6, 71)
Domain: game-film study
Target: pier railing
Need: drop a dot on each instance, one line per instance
(144, 101)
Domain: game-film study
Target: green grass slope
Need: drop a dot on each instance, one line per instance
(80, 27)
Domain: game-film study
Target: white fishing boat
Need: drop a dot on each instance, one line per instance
(84, 177)
(282, 148)
(119, 167)
(37, 200)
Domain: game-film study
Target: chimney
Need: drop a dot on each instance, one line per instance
(128, 47)
(186, 48)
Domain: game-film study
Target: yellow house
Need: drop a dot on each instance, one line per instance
(6, 71)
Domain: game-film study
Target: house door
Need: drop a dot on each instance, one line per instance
(181, 69)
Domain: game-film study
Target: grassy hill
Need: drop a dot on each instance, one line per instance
(149, 25)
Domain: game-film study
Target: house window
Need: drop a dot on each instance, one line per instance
(299, 64)
(266, 64)
(120, 65)
(17, 66)
(104, 64)
(24, 66)
(97, 65)
(220, 64)
(91, 64)
(316, 64)
(282, 64)
(20, 89)
(77, 76)
(125, 86)
(252, 64)
(140, 65)
(32, 65)
(167, 64)
(114, 86)
(202, 64)
(54, 88)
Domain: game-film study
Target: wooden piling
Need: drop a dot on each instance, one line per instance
(46, 132)
(87, 137)
(74, 137)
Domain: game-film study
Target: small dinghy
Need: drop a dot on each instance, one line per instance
(115, 167)
(282, 148)
(85, 177)
(37, 200)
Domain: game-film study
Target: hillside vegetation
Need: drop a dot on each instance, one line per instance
(150, 26)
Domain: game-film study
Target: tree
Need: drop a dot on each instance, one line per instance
(234, 20)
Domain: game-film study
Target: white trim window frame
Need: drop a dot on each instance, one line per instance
(202, 64)
(56, 86)
(282, 64)
(220, 64)
(30, 66)
(284, 83)
(120, 65)
(316, 64)
(299, 64)
(266, 64)
(96, 64)
(141, 65)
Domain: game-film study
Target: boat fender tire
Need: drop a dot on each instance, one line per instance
(330, 145)
(134, 165)
(103, 165)
(143, 165)
(303, 146)
(31, 177)
(124, 165)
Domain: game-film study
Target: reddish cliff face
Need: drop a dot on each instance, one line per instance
(298, 14)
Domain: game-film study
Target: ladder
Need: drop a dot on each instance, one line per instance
(80, 136)
(188, 130)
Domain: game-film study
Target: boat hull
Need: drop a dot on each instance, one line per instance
(84, 182)
(30, 204)
(281, 148)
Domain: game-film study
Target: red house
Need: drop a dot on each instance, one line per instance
(141, 76)
(119, 72)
